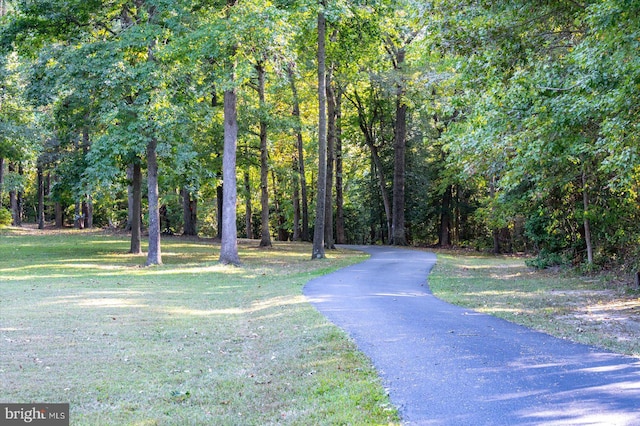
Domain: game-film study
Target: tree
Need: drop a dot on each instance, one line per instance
(265, 240)
(154, 255)
(135, 208)
(300, 154)
(331, 148)
(318, 233)
(229, 244)
(397, 41)
(229, 247)
(340, 225)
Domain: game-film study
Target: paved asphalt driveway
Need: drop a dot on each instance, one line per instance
(445, 365)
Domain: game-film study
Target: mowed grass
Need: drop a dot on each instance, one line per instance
(191, 342)
(591, 310)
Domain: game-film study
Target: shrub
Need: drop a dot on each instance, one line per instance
(547, 259)
(5, 218)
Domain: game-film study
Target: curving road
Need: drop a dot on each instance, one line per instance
(445, 365)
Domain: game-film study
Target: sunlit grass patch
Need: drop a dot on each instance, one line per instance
(584, 310)
(187, 342)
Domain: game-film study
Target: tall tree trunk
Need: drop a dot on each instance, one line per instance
(47, 194)
(135, 206)
(59, 214)
(154, 254)
(586, 222)
(445, 218)
(375, 156)
(87, 210)
(219, 209)
(189, 213)
(331, 143)
(229, 241)
(78, 217)
(318, 233)
(229, 244)
(296, 201)
(367, 129)
(265, 240)
(248, 219)
(399, 237)
(229, 231)
(129, 198)
(340, 231)
(300, 148)
(40, 197)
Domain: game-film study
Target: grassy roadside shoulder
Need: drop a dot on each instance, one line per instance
(188, 342)
(588, 310)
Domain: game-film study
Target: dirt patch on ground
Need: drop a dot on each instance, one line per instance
(609, 313)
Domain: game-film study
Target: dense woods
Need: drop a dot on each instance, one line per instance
(508, 126)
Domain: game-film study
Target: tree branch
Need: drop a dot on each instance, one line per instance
(558, 89)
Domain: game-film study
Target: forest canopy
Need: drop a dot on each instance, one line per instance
(506, 126)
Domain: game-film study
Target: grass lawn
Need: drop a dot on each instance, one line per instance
(190, 342)
(592, 310)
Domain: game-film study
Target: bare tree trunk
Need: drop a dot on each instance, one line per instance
(47, 194)
(397, 55)
(229, 245)
(300, 148)
(445, 218)
(154, 254)
(383, 187)
(189, 213)
(219, 209)
(129, 197)
(135, 204)
(78, 219)
(399, 237)
(318, 234)
(340, 231)
(264, 161)
(229, 229)
(247, 209)
(87, 210)
(59, 215)
(331, 143)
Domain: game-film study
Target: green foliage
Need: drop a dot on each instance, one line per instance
(5, 217)
(546, 259)
(510, 105)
